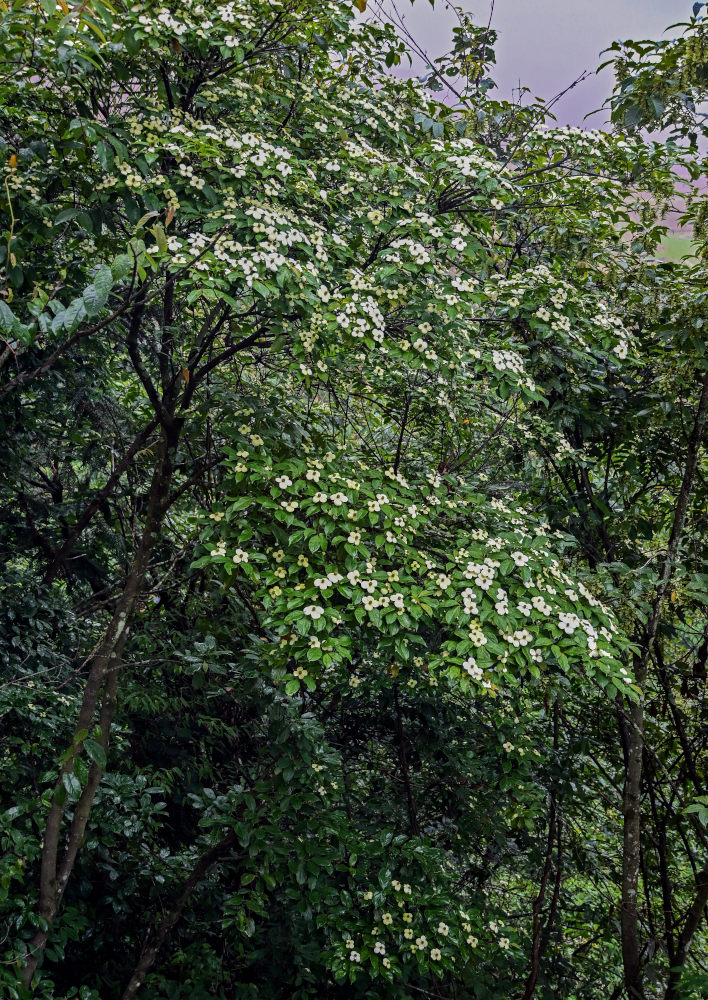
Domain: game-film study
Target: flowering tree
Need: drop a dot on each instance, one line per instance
(288, 346)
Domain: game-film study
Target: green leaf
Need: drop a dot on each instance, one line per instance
(105, 155)
(131, 43)
(66, 215)
(632, 116)
(74, 314)
(122, 266)
(7, 317)
(159, 233)
(94, 299)
(96, 752)
(71, 783)
(103, 282)
(81, 769)
(657, 104)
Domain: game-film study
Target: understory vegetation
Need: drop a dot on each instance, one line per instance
(353, 584)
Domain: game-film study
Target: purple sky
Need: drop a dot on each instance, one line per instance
(547, 43)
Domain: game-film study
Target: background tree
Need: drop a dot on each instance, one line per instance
(308, 381)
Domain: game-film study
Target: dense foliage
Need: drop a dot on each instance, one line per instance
(353, 588)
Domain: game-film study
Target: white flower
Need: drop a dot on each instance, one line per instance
(521, 637)
(436, 954)
(338, 499)
(313, 611)
(520, 558)
(502, 605)
(443, 929)
(319, 498)
(568, 623)
(354, 537)
(283, 482)
(504, 943)
(422, 942)
(354, 956)
(240, 556)
(470, 666)
(621, 349)
(379, 948)
(387, 919)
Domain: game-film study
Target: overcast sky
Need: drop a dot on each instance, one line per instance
(546, 44)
